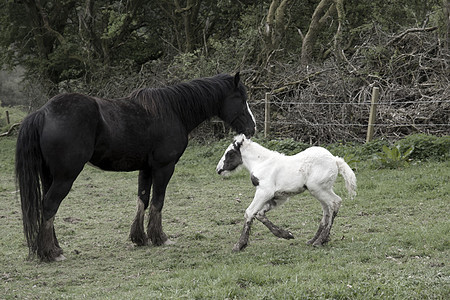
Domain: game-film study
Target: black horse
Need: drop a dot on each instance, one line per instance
(147, 131)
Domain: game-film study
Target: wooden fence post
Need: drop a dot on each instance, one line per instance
(373, 113)
(7, 118)
(266, 115)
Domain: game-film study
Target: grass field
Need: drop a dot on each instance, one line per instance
(390, 242)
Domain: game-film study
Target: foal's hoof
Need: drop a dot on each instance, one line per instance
(288, 235)
(238, 247)
(313, 242)
(318, 244)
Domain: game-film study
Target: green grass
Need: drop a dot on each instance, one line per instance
(390, 242)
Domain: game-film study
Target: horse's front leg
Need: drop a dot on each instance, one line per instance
(137, 233)
(161, 178)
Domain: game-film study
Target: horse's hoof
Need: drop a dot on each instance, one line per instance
(140, 242)
(158, 241)
(60, 258)
(169, 242)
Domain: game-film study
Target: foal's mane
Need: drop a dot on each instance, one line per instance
(192, 100)
(256, 148)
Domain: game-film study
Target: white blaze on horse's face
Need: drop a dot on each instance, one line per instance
(251, 114)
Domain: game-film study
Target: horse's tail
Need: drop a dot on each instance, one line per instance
(349, 176)
(29, 168)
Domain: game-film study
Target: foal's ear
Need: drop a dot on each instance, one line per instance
(237, 78)
(240, 139)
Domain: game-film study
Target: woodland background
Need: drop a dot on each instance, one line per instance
(318, 59)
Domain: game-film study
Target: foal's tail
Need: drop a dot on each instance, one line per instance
(29, 168)
(349, 176)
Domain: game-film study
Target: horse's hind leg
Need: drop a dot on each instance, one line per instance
(57, 181)
(48, 248)
(137, 233)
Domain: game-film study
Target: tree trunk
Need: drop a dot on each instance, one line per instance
(323, 11)
(338, 36)
(316, 24)
(274, 29)
(446, 8)
(189, 15)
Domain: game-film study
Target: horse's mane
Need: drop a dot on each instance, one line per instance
(190, 100)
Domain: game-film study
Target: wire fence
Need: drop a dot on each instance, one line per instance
(317, 121)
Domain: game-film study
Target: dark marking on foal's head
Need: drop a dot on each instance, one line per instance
(254, 179)
(231, 159)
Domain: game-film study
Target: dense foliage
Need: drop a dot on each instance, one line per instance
(305, 51)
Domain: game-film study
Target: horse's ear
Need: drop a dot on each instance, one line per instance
(237, 78)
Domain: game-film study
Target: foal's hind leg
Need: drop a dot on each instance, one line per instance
(330, 206)
(137, 233)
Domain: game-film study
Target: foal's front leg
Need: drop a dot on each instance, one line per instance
(260, 199)
(277, 231)
(243, 239)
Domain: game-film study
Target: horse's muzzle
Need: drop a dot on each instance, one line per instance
(249, 132)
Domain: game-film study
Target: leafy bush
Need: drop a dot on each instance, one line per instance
(368, 149)
(393, 158)
(426, 146)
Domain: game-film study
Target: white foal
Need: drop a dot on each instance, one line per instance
(277, 177)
